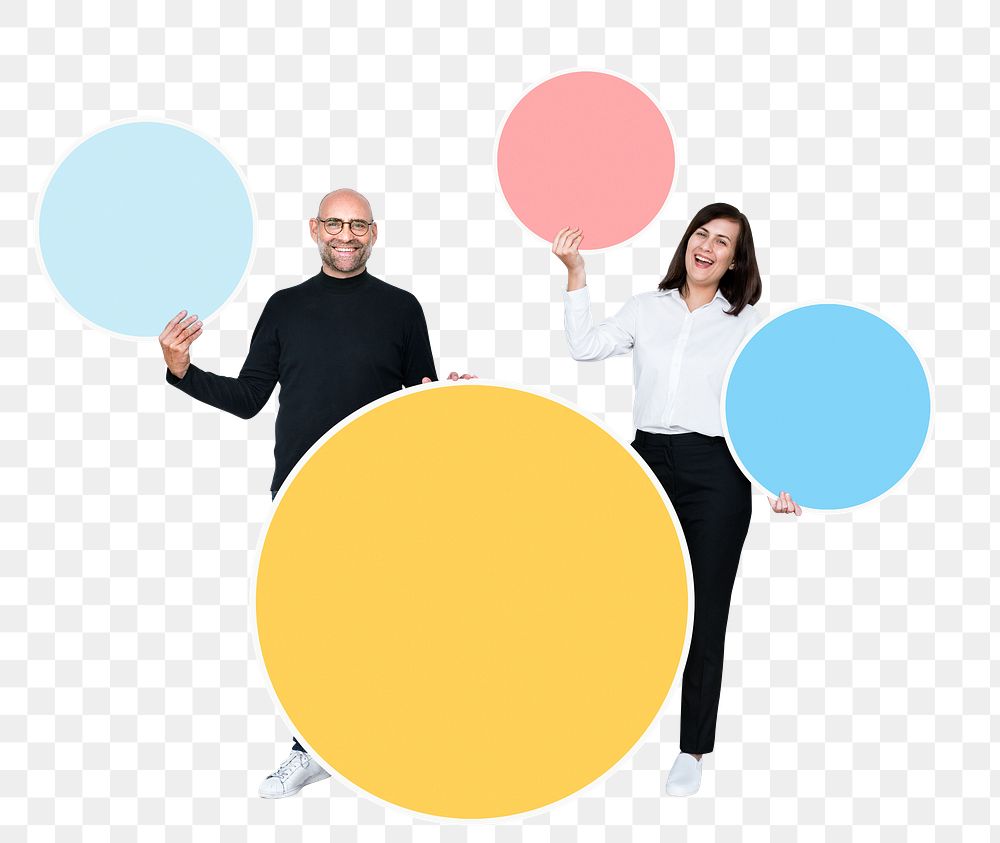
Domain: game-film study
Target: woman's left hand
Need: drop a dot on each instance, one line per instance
(784, 503)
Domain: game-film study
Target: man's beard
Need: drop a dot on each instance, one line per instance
(345, 263)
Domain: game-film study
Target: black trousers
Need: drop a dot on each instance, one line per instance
(295, 744)
(712, 499)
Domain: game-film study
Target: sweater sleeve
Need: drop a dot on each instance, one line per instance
(418, 361)
(588, 341)
(245, 395)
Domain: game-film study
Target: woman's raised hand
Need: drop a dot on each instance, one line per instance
(566, 247)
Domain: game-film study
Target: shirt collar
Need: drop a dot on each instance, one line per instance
(341, 285)
(676, 293)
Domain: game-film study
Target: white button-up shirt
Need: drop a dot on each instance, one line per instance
(680, 356)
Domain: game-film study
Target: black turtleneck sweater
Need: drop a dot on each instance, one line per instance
(334, 345)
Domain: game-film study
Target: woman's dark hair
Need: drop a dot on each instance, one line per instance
(741, 284)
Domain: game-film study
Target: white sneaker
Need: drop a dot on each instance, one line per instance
(293, 774)
(685, 776)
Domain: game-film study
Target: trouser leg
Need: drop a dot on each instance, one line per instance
(715, 554)
(295, 741)
(712, 500)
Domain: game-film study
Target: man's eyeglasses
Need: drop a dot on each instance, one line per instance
(358, 227)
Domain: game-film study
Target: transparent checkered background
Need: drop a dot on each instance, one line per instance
(857, 700)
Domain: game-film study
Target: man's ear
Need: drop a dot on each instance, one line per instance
(314, 229)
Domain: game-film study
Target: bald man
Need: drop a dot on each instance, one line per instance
(335, 343)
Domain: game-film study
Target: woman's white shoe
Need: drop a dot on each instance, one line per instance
(685, 776)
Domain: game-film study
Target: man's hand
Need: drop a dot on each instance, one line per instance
(454, 376)
(784, 503)
(175, 341)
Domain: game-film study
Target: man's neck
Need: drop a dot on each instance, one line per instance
(333, 273)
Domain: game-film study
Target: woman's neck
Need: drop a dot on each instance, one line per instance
(695, 296)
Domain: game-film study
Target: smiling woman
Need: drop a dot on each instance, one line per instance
(716, 254)
(684, 335)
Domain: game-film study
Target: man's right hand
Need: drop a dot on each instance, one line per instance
(175, 341)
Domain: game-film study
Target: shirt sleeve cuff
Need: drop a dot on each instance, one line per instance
(577, 299)
(181, 383)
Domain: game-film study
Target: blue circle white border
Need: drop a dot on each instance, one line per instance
(732, 363)
(114, 124)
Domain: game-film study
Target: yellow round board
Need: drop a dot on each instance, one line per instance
(471, 600)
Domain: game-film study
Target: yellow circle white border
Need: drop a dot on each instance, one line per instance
(409, 812)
